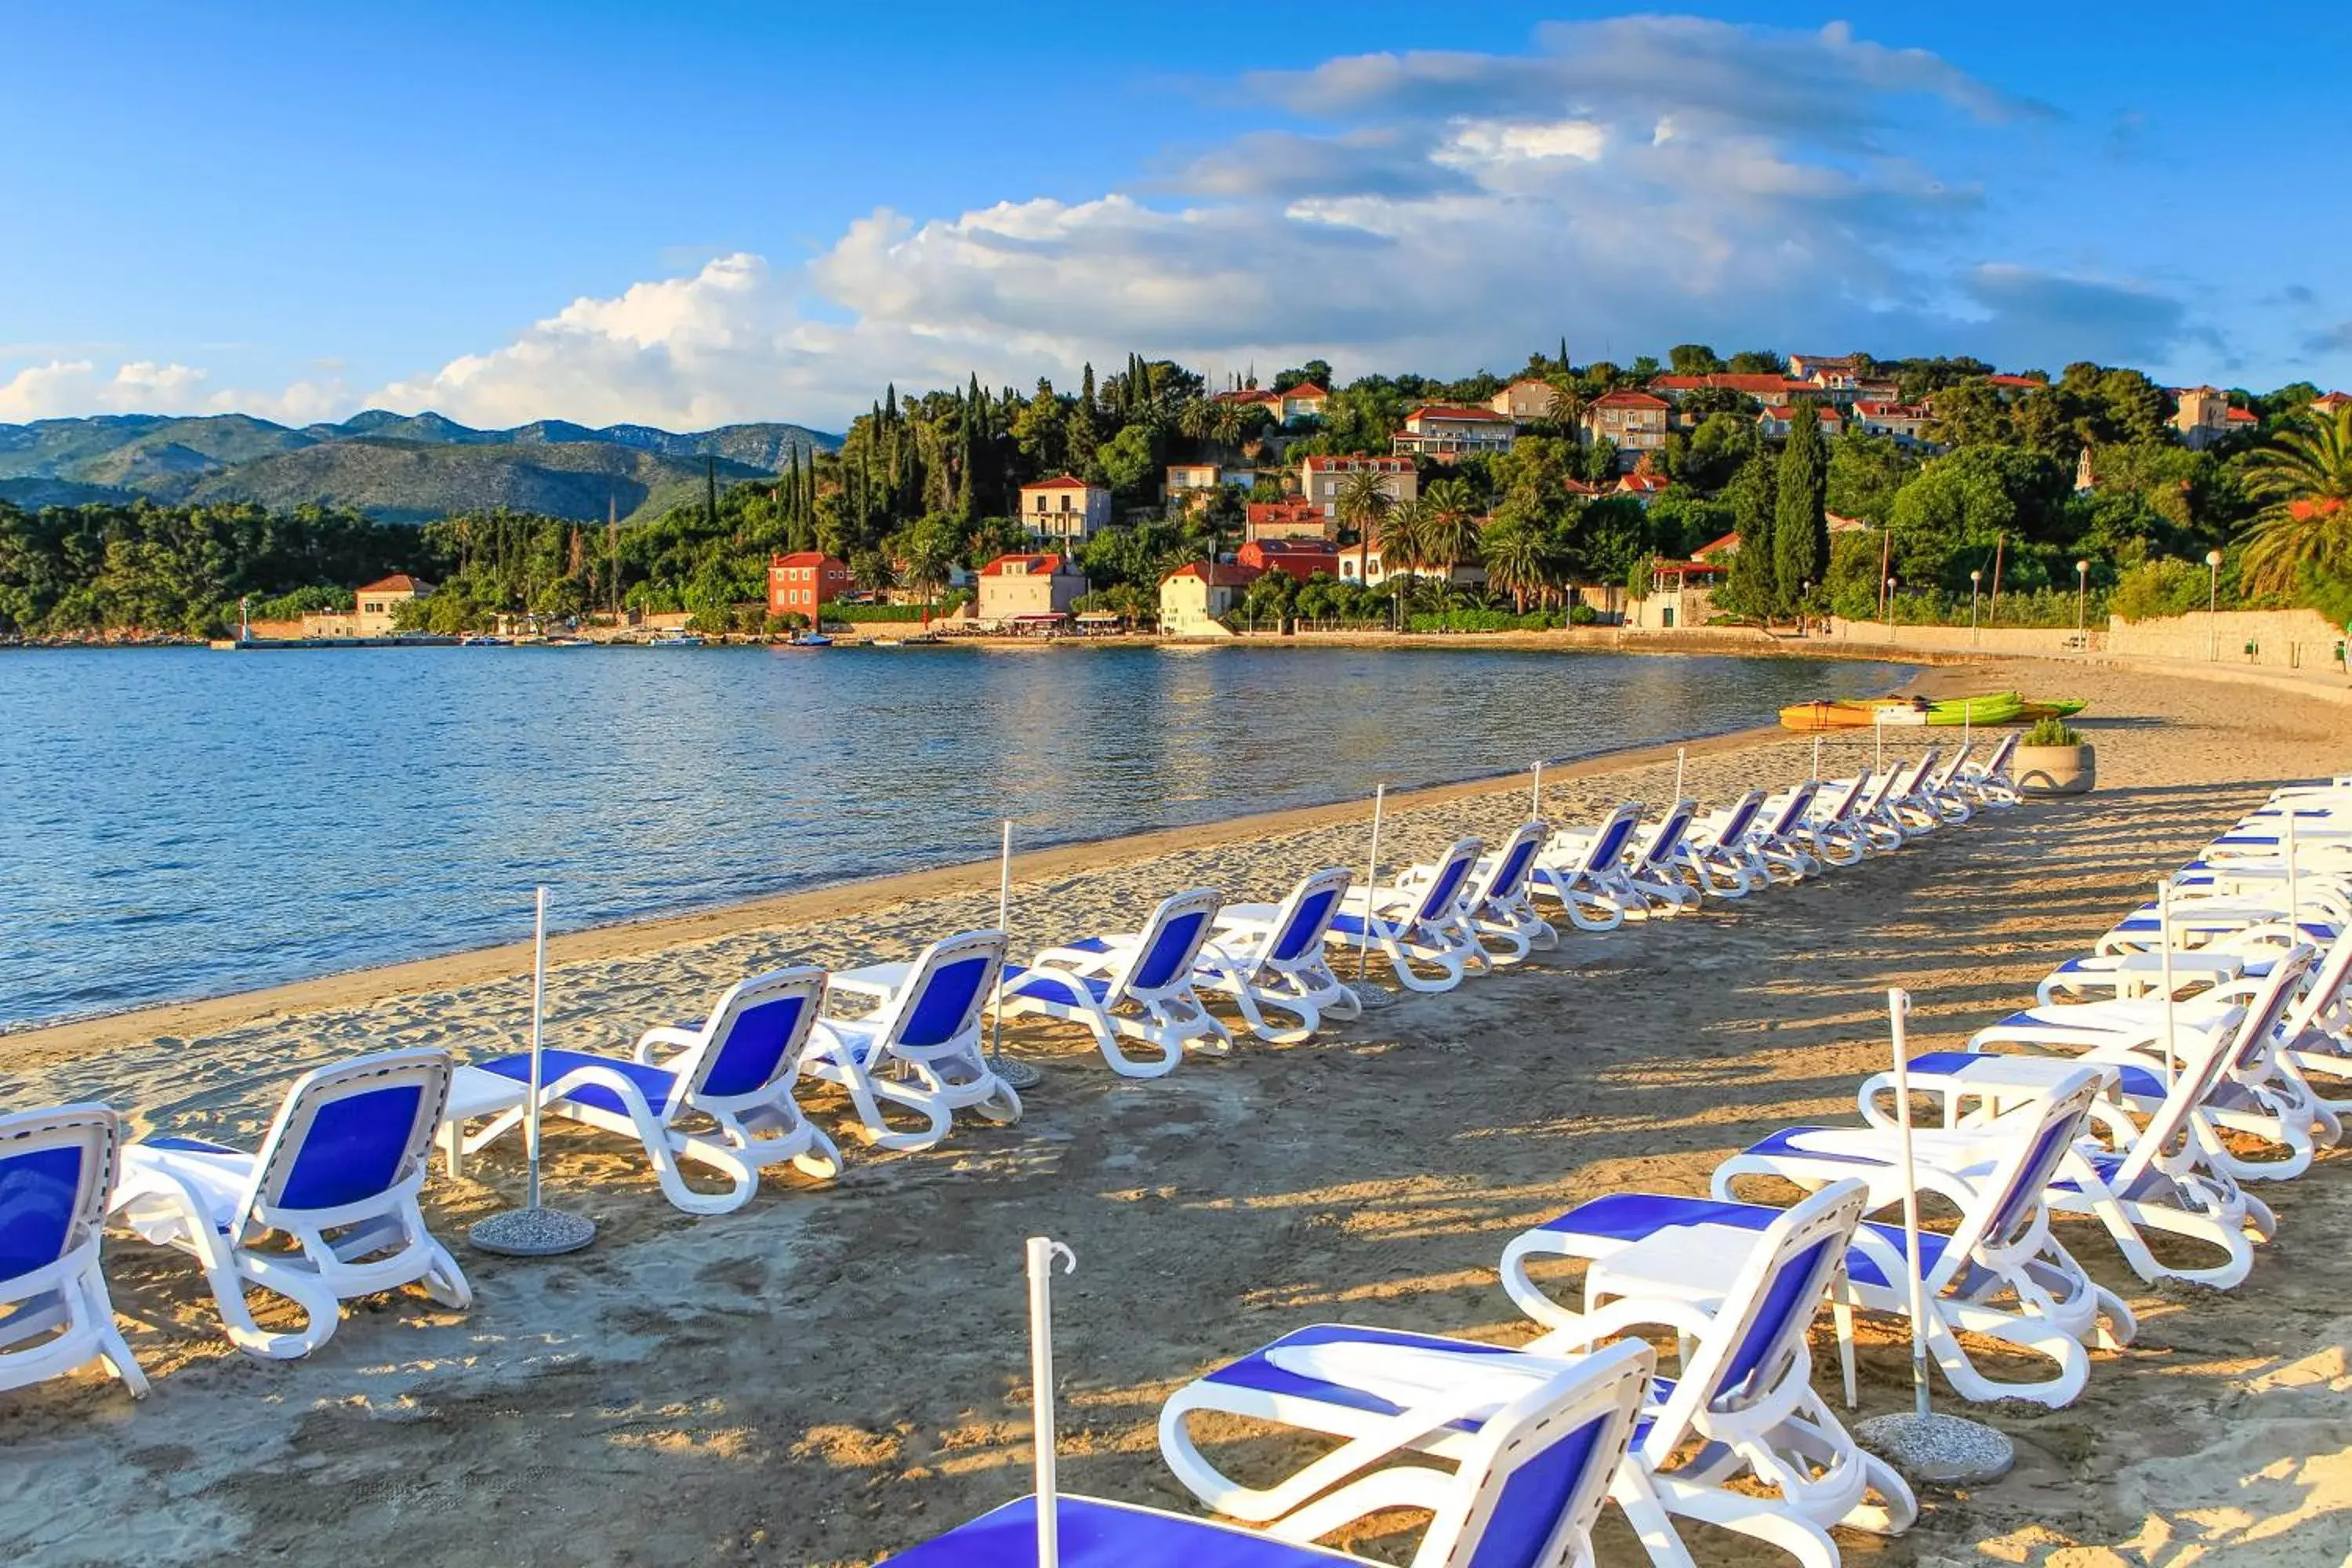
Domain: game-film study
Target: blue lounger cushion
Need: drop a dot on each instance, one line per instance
(1630, 1216)
(653, 1082)
(1091, 1533)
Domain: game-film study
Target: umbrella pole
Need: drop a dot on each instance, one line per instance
(1678, 773)
(1371, 882)
(1020, 1075)
(2164, 966)
(538, 1038)
(1534, 799)
(534, 1230)
(1041, 1252)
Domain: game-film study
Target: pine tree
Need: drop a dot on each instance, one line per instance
(1800, 529)
(1755, 580)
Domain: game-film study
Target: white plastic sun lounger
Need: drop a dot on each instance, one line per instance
(1270, 957)
(2000, 1273)
(1129, 988)
(1742, 1394)
(1656, 867)
(1584, 873)
(735, 1069)
(1523, 1493)
(1778, 834)
(338, 1174)
(57, 1175)
(1426, 924)
(919, 1049)
(1499, 905)
(1988, 783)
(2157, 1176)
(1723, 852)
(1831, 832)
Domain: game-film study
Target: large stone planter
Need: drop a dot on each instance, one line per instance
(2054, 770)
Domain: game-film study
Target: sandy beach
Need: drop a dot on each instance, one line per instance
(836, 1372)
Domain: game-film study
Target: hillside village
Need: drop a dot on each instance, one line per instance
(1150, 499)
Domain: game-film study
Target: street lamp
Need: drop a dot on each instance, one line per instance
(2081, 593)
(2213, 605)
(1804, 597)
(1975, 578)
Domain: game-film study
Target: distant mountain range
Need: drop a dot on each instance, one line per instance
(397, 468)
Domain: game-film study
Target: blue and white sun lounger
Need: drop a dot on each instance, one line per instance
(1832, 832)
(1584, 873)
(1271, 956)
(2000, 1273)
(1426, 923)
(1988, 783)
(1523, 1493)
(57, 1174)
(736, 1068)
(1500, 911)
(347, 1156)
(1778, 835)
(920, 1045)
(1723, 852)
(1656, 867)
(1136, 988)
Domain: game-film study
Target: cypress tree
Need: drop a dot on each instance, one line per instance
(1087, 387)
(711, 491)
(1755, 580)
(1801, 528)
(1563, 353)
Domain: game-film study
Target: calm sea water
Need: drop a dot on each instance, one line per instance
(185, 823)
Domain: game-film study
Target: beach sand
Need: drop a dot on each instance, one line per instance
(835, 1373)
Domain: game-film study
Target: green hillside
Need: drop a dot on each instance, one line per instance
(408, 467)
(413, 481)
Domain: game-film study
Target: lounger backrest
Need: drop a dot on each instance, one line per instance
(1742, 818)
(1792, 810)
(1919, 774)
(1667, 837)
(1170, 942)
(755, 1036)
(1300, 923)
(1997, 765)
(1509, 879)
(945, 989)
(1760, 1328)
(57, 1175)
(1538, 1470)
(349, 1133)
(1607, 846)
(1842, 803)
(2325, 999)
(1951, 770)
(2201, 1069)
(2007, 1219)
(1444, 889)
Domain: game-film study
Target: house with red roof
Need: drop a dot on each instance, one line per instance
(1905, 422)
(1445, 431)
(1682, 594)
(2202, 415)
(1293, 517)
(1304, 401)
(1636, 422)
(1252, 398)
(1528, 399)
(374, 609)
(2328, 404)
(1301, 558)
(1321, 478)
(1763, 388)
(1773, 424)
(1065, 509)
(799, 583)
(1029, 590)
(1195, 599)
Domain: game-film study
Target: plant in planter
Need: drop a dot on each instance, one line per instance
(2054, 759)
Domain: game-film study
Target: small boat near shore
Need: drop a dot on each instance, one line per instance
(1950, 712)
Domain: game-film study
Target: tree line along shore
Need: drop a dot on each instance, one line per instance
(2094, 487)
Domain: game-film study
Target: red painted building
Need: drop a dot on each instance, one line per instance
(1301, 558)
(798, 583)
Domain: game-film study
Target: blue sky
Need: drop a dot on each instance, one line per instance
(693, 214)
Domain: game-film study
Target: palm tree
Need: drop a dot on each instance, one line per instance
(2307, 527)
(1402, 530)
(1450, 535)
(1197, 420)
(1520, 559)
(927, 562)
(1364, 501)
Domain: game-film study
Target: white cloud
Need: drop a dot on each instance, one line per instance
(1631, 183)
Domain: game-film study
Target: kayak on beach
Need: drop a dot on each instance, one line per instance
(1987, 708)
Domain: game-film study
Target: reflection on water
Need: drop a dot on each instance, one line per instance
(183, 823)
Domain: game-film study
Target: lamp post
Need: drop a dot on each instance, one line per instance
(1975, 578)
(1804, 597)
(2081, 595)
(2213, 605)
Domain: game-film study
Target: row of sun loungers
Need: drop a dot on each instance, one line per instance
(327, 1209)
(2119, 1116)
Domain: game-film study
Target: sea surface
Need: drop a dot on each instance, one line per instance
(179, 823)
